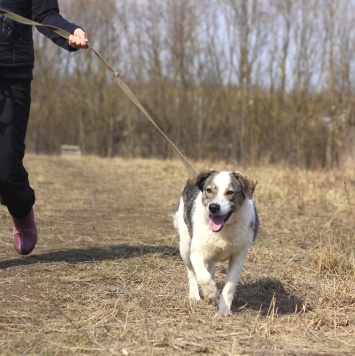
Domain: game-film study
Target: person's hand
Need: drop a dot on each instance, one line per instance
(78, 39)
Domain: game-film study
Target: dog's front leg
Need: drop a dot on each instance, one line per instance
(235, 267)
(204, 278)
(185, 251)
(193, 286)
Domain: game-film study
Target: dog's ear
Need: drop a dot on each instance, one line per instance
(201, 178)
(247, 183)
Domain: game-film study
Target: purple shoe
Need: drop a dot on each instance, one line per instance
(25, 234)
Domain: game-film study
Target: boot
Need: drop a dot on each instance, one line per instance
(25, 234)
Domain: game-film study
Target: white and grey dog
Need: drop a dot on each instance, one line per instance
(216, 221)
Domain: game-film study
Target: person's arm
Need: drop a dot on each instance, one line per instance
(47, 12)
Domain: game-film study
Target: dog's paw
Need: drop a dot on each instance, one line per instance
(213, 298)
(224, 306)
(223, 313)
(210, 293)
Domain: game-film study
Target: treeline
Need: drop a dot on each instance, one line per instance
(248, 80)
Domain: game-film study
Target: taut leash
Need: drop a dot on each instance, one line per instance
(115, 73)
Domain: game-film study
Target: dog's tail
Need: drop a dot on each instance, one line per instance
(176, 216)
(176, 220)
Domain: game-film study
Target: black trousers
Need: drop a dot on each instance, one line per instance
(15, 190)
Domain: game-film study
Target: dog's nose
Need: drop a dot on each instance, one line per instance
(214, 208)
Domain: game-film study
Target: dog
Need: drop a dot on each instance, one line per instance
(216, 221)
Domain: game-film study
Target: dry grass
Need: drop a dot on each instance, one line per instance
(106, 276)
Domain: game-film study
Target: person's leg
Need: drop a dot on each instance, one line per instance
(15, 191)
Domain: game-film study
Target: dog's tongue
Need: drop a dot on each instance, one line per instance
(216, 223)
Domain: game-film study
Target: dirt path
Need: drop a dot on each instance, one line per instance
(106, 276)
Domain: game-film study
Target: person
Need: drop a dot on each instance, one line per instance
(16, 65)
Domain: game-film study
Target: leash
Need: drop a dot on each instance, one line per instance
(120, 82)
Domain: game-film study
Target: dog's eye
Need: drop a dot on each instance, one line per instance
(209, 190)
(230, 192)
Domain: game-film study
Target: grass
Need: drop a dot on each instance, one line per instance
(106, 277)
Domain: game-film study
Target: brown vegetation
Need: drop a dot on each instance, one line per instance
(256, 81)
(106, 277)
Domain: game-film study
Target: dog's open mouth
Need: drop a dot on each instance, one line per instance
(217, 221)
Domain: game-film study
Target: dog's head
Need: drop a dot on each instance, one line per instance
(223, 193)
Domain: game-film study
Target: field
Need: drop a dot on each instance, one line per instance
(106, 277)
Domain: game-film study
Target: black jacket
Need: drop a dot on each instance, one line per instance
(16, 42)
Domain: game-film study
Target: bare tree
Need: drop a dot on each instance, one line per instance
(247, 80)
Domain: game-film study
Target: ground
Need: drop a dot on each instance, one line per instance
(106, 276)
